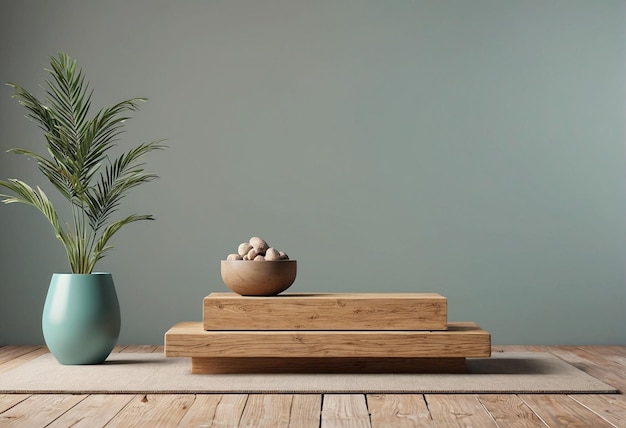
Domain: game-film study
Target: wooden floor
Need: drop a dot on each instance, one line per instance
(607, 363)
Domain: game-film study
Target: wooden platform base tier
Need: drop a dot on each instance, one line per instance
(302, 351)
(326, 311)
(250, 365)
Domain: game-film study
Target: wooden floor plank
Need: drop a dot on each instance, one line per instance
(94, 411)
(229, 410)
(520, 348)
(306, 411)
(597, 366)
(267, 410)
(613, 353)
(140, 348)
(153, 411)
(345, 411)
(397, 410)
(611, 407)
(9, 400)
(39, 410)
(508, 410)
(458, 411)
(215, 410)
(7, 353)
(563, 411)
(23, 358)
(202, 411)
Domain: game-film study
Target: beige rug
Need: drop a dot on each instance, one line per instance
(509, 372)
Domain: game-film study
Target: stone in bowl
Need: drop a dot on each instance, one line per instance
(258, 277)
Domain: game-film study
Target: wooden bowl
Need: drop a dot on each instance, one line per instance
(258, 278)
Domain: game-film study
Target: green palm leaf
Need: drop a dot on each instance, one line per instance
(122, 175)
(102, 246)
(24, 194)
(54, 171)
(79, 164)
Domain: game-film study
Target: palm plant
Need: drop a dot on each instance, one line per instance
(79, 165)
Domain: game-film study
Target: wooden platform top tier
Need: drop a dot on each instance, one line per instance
(326, 311)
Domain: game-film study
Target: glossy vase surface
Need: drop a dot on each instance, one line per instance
(81, 317)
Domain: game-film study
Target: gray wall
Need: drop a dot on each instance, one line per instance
(472, 148)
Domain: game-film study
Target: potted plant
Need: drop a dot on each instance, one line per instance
(81, 315)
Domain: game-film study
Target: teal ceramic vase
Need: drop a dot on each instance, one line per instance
(81, 317)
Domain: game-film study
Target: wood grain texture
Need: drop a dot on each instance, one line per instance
(461, 340)
(458, 411)
(130, 349)
(9, 400)
(563, 411)
(153, 410)
(94, 411)
(267, 410)
(598, 366)
(345, 410)
(14, 356)
(397, 410)
(10, 352)
(227, 365)
(612, 408)
(202, 412)
(210, 410)
(510, 411)
(614, 353)
(305, 411)
(33, 352)
(329, 311)
(49, 407)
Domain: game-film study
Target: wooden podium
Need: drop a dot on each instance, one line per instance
(327, 333)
